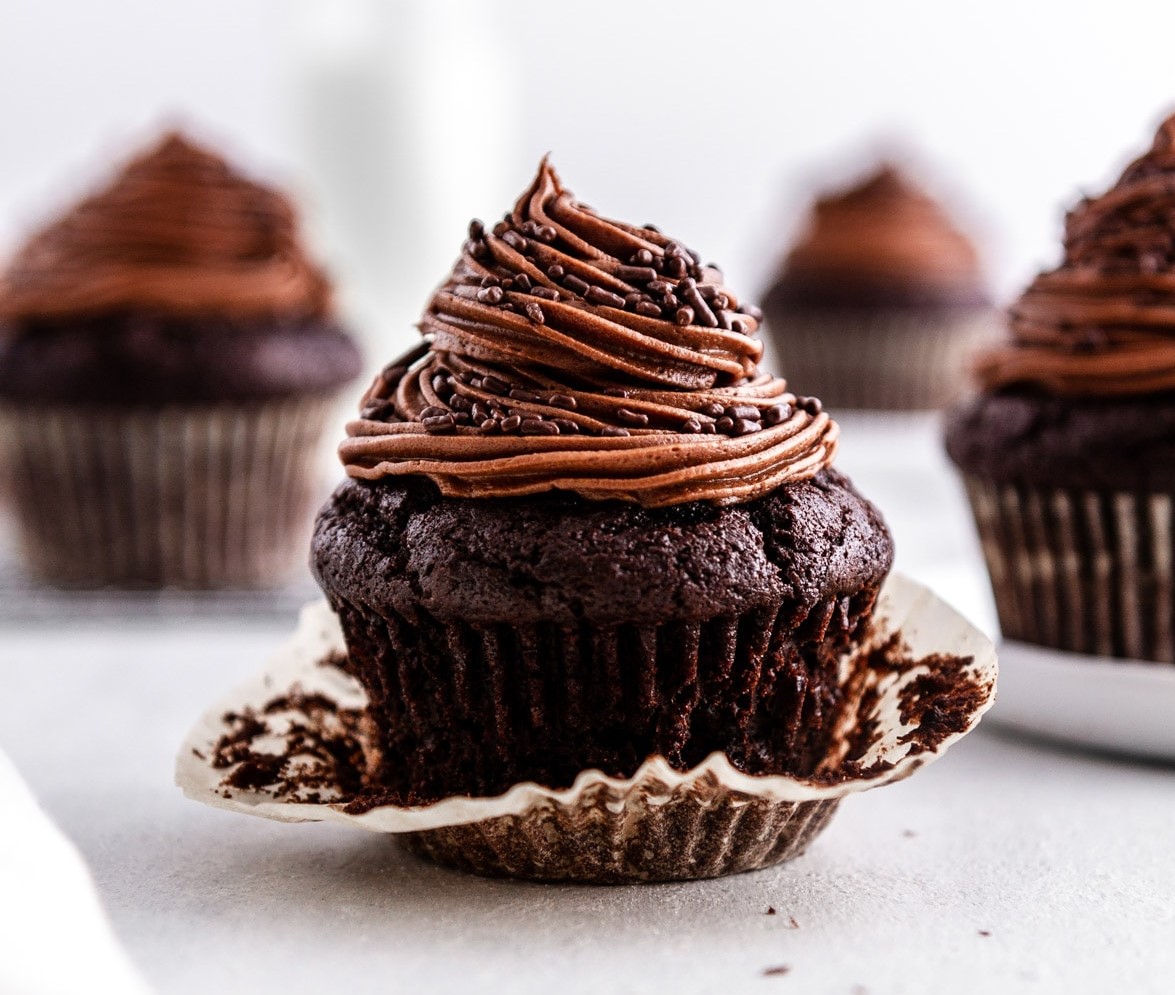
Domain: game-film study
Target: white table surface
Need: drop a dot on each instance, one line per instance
(1066, 859)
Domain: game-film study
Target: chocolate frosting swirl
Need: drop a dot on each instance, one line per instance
(177, 231)
(885, 233)
(567, 351)
(1103, 322)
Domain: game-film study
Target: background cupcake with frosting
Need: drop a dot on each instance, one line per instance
(1069, 452)
(168, 360)
(880, 299)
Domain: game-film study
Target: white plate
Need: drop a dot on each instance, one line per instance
(1117, 705)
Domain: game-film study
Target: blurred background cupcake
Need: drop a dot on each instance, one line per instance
(1069, 452)
(879, 300)
(168, 362)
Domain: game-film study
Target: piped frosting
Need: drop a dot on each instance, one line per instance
(883, 237)
(177, 231)
(1103, 322)
(567, 351)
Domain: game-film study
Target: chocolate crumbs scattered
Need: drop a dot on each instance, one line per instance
(319, 753)
(940, 703)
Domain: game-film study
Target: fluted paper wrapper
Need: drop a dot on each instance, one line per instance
(196, 496)
(894, 361)
(660, 824)
(491, 687)
(1085, 571)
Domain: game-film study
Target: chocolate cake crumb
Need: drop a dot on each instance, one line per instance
(781, 969)
(985, 932)
(334, 659)
(257, 771)
(235, 745)
(791, 923)
(770, 910)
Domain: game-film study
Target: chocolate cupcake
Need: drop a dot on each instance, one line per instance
(168, 360)
(1069, 452)
(880, 301)
(583, 528)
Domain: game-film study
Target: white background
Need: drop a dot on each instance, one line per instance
(398, 121)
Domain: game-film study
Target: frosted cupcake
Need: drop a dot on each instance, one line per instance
(168, 359)
(1069, 452)
(880, 300)
(584, 527)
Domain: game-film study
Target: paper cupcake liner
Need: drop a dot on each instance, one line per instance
(889, 361)
(703, 831)
(287, 746)
(530, 701)
(191, 496)
(1085, 571)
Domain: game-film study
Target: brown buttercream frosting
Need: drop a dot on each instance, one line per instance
(1103, 322)
(177, 231)
(567, 351)
(884, 234)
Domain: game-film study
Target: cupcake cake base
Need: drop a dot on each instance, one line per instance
(294, 745)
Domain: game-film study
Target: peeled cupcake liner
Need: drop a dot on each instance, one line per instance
(195, 496)
(1089, 572)
(642, 680)
(660, 824)
(892, 360)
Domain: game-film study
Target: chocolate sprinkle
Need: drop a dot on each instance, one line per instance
(598, 295)
(630, 417)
